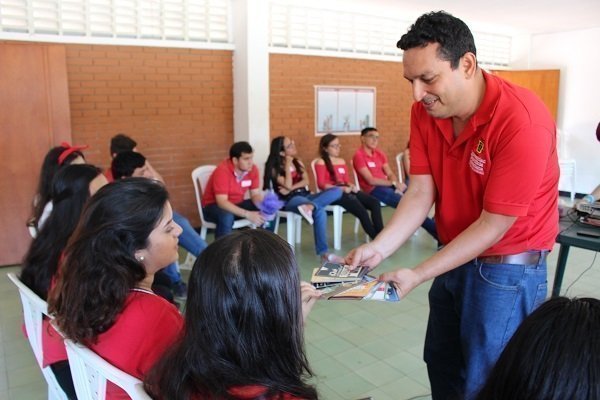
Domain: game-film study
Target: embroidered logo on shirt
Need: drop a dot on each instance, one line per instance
(479, 146)
(476, 163)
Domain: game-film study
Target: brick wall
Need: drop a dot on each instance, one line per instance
(176, 103)
(292, 81)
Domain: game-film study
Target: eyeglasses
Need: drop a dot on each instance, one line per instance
(335, 146)
(374, 137)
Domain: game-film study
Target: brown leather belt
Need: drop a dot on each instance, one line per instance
(525, 258)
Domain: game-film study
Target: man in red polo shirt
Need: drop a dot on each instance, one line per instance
(484, 151)
(224, 197)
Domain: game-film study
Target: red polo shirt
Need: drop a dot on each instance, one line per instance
(374, 162)
(504, 162)
(224, 181)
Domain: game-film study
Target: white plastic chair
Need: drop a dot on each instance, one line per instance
(200, 177)
(336, 210)
(293, 223)
(91, 372)
(34, 309)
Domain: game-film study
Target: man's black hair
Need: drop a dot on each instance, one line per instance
(236, 149)
(120, 143)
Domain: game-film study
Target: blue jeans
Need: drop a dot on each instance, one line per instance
(189, 240)
(319, 201)
(387, 195)
(474, 311)
(224, 219)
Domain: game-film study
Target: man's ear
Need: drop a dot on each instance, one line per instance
(468, 64)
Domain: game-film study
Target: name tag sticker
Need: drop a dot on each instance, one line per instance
(246, 183)
(342, 170)
(371, 164)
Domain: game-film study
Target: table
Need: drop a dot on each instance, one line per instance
(566, 238)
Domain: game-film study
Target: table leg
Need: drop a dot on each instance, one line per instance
(563, 253)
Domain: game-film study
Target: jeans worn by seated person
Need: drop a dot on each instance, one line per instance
(474, 310)
(319, 201)
(224, 219)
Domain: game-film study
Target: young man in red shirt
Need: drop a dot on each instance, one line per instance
(224, 198)
(484, 151)
(377, 178)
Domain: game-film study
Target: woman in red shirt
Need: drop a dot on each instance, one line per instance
(244, 322)
(103, 297)
(331, 171)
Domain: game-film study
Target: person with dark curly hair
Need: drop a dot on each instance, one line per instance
(244, 323)
(484, 151)
(554, 355)
(103, 298)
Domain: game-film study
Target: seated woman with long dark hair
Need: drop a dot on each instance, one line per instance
(71, 188)
(56, 158)
(331, 171)
(244, 321)
(103, 297)
(285, 175)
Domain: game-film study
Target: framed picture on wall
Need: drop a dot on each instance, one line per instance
(343, 110)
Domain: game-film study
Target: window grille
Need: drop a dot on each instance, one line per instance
(163, 20)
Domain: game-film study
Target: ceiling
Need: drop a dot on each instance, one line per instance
(530, 16)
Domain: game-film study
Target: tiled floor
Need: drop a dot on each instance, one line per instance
(356, 349)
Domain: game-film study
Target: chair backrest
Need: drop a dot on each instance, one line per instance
(314, 171)
(200, 177)
(399, 157)
(34, 309)
(356, 181)
(91, 372)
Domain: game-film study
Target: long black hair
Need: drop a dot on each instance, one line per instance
(243, 324)
(70, 191)
(50, 166)
(553, 355)
(323, 143)
(100, 266)
(275, 165)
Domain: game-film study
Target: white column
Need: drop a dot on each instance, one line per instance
(251, 76)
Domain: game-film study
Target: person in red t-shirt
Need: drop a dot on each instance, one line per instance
(377, 178)
(225, 198)
(103, 297)
(332, 171)
(484, 151)
(244, 325)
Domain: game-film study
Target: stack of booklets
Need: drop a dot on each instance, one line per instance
(337, 282)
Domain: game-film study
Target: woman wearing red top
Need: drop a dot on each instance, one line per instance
(244, 322)
(103, 297)
(331, 171)
(71, 187)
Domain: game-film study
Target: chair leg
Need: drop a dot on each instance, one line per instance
(298, 225)
(356, 225)
(290, 222)
(203, 231)
(337, 228)
(276, 225)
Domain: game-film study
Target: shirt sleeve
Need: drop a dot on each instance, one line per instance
(518, 166)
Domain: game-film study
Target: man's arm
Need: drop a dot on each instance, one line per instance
(487, 230)
(371, 180)
(256, 195)
(409, 215)
(224, 203)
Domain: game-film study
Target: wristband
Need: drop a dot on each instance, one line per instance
(589, 198)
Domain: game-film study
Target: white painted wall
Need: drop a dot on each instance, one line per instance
(576, 54)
